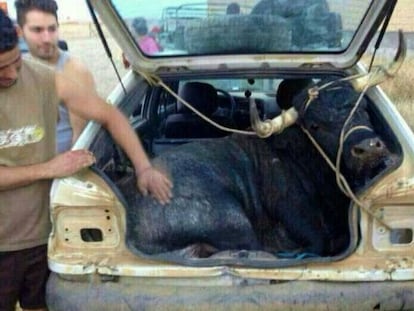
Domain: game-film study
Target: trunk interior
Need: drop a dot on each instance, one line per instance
(276, 246)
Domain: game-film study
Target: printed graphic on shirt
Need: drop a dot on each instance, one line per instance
(22, 136)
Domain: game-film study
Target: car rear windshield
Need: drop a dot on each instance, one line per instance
(184, 27)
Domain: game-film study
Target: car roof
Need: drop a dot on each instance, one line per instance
(188, 36)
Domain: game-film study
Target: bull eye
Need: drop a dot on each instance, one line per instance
(357, 151)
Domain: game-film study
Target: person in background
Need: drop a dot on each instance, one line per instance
(3, 7)
(154, 33)
(233, 9)
(38, 25)
(146, 42)
(29, 97)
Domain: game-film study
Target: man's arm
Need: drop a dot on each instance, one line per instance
(62, 165)
(84, 77)
(88, 105)
(14, 177)
(77, 124)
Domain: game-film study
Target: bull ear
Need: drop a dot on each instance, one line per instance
(382, 73)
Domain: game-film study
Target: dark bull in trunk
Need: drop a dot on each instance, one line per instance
(274, 194)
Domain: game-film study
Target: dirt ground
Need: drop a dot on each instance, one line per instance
(90, 51)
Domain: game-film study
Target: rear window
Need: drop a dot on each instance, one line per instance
(182, 27)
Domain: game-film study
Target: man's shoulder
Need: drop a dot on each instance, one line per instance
(75, 68)
(36, 66)
(74, 64)
(39, 75)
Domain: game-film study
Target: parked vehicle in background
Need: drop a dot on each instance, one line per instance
(243, 112)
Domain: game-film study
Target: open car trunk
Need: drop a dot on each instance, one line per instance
(220, 175)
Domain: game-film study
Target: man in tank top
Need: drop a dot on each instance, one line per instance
(29, 97)
(38, 24)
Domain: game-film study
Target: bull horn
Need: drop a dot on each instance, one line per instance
(266, 128)
(382, 73)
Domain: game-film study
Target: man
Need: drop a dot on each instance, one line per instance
(38, 25)
(29, 96)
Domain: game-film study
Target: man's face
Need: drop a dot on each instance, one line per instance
(10, 63)
(41, 34)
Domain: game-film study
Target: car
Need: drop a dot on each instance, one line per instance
(292, 169)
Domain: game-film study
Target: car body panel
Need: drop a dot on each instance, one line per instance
(88, 195)
(108, 271)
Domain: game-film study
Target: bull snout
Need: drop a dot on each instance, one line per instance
(368, 149)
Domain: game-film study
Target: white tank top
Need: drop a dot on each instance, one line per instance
(64, 129)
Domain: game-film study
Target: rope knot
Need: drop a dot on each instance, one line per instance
(313, 93)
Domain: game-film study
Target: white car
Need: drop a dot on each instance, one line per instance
(292, 169)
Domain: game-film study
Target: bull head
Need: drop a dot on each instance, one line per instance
(360, 83)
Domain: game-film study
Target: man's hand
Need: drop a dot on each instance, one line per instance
(62, 165)
(68, 163)
(156, 183)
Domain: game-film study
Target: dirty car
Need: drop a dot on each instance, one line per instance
(292, 169)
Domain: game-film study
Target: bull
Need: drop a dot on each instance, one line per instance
(272, 192)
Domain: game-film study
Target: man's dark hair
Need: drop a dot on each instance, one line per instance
(8, 34)
(25, 6)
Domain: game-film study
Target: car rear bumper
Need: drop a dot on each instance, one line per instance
(127, 293)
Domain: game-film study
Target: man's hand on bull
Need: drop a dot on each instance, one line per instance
(154, 182)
